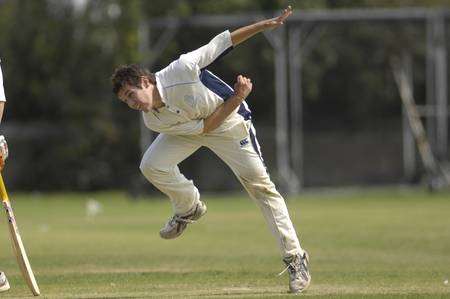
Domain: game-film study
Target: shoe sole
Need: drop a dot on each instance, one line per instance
(5, 287)
(194, 217)
(178, 233)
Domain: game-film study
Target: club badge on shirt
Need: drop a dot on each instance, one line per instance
(190, 100)
(244, 142)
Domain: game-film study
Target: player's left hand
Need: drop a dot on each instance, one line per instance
(3, 151)
(242, 87)
(278, 21)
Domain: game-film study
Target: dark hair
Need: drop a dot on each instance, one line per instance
(129, 74)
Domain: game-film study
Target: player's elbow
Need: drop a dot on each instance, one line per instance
(207, 126)
(206, 130)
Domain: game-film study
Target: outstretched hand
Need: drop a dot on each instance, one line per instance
(278, 21)
(242, 34)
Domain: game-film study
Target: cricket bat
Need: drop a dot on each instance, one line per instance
(17, 244)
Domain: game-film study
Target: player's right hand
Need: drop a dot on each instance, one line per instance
(3, 151)
(242, 87)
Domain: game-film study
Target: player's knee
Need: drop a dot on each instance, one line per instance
(264, 191)
(150, 169)
(260, 186)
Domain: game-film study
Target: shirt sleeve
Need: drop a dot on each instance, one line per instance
(193, 127)
(2, 90)
(202, 57)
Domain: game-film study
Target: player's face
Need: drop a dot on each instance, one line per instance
(137, 98)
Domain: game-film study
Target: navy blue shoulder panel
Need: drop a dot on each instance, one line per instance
(216, 85)
(223, 90)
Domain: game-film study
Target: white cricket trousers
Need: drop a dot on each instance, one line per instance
(239, 149)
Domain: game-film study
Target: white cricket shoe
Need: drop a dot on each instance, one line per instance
(178, 223)
(4, 284)
(299, 277)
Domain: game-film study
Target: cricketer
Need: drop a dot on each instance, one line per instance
(191, 107)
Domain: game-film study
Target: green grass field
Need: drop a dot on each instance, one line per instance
(389, 243)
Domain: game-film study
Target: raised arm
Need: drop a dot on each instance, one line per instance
(225, 41)
(244, 33)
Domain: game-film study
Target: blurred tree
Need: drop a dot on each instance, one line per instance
(58, 60)
(67, 130)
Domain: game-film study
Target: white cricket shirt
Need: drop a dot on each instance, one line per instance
(2, 90)
(191, 93)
